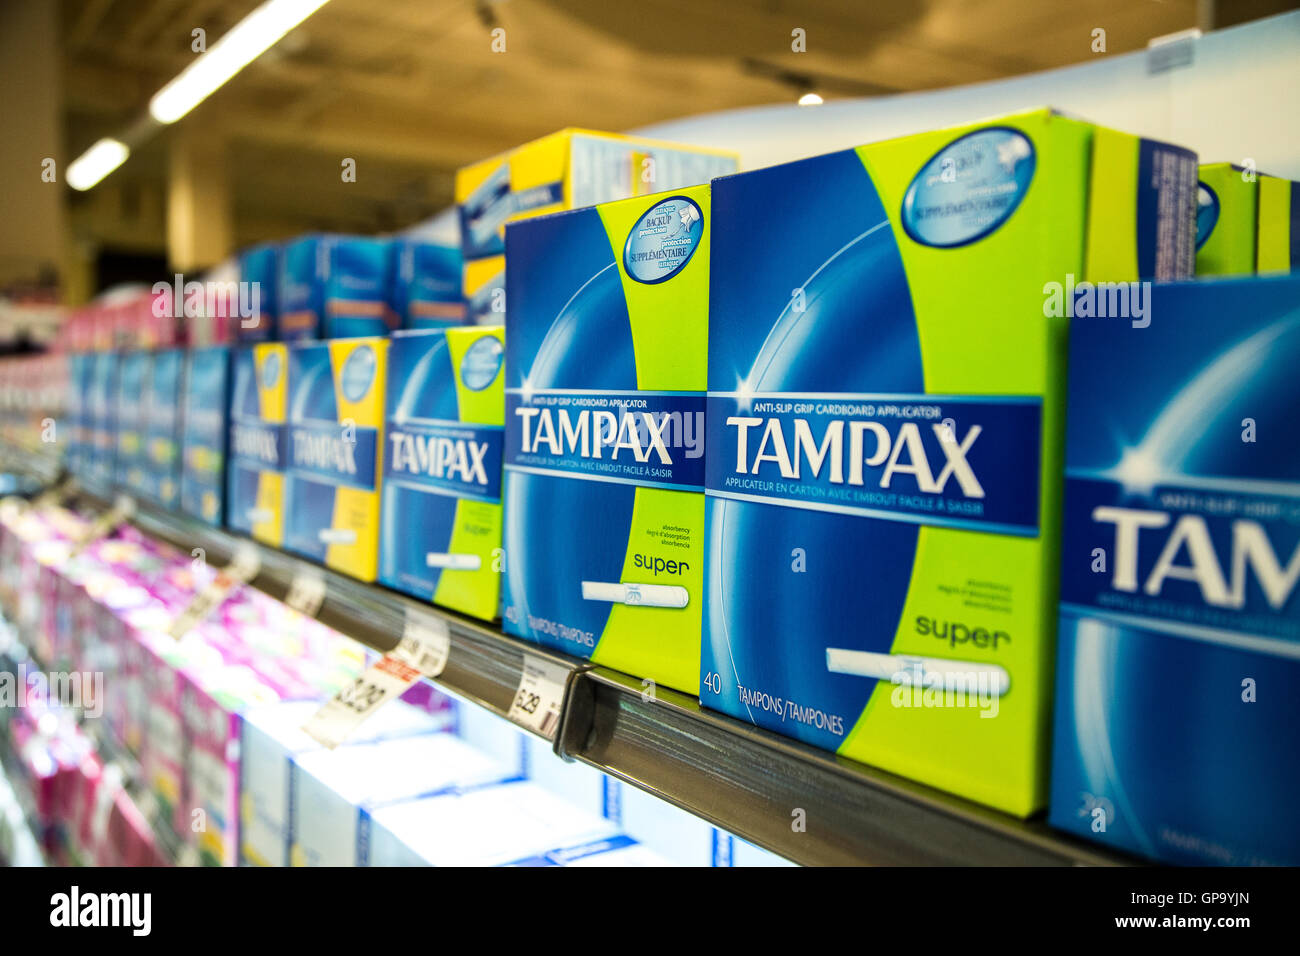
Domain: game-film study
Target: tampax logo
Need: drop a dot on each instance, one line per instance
(1098, 300)
(437, 457)
(259, 443)
(599, 433)
(842, 450)
(1249, 552)
(320, 450)
(130, 910)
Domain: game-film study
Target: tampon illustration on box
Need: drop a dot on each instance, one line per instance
(905, 669)
(453, 562)
(645, 595)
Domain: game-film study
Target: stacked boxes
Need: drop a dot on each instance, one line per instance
(440, 536)
(333, 792)
(131, 417)
(606, 358)
(101, 417)
(203, 442)
(335, 447)
(424, 285)
(255, 474)
(333, 287)
(162, 432)
(566, 170)
(1179, 649)
(270, 739)
(1226, 220)
(259, 268)
(884, 440)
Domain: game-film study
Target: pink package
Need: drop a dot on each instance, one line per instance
(211, 774)
(162, 751)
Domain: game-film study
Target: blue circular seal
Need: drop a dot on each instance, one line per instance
(271, 370)
(1207, 213)
(663, 240)
(358, 372)
(969, 188)
(481, 363)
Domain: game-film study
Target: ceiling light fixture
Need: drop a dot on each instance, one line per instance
(241, 45)
(96, 163)
(810, 99)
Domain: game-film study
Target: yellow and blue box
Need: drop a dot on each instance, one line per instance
(334, 452)
(1227, 202)
(484, 284)
(441, 533)
(569, 169)
(886, 355)
(1277, 245)
(255, 471)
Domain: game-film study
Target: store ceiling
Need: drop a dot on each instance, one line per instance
(412, 88)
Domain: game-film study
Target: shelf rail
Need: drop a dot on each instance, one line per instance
(801, 803)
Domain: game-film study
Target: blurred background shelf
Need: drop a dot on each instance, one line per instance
(808, 806)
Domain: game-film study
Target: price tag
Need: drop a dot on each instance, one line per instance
(422, 652)
(306, 592)
(106, 523)
(425, 644)
(53, 497)
(539, 697)
(243, 568)
(385, 681)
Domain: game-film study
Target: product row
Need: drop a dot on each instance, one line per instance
(330, 286)
(796, 441)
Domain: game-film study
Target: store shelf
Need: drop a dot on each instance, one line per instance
(755, 784)
(758, 785)
(483, 665)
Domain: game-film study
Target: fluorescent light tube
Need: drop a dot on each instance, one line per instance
(241, 45)
(646, 595)
(904, 669)
(96, 163)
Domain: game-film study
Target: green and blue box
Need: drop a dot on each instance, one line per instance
(606, 350)
(886, 365)
(1227, 204)
(1277, 245)
(440, 537)
(1177, 718)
